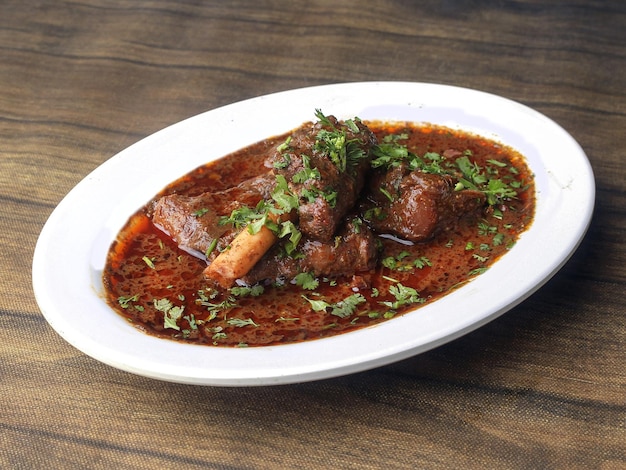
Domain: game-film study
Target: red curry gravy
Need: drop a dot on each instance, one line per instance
(148, 279)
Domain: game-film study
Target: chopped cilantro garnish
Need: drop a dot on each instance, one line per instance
(200, 212)
(498, 238)
(288, 228)
(218, 336)
(317, 305)
(477, 271)
(322, 118)
(171, 312)
(307, 173)
(285, 200)
(400, 263)
(342, 309)
(386, 194)
(245, 291)
(346, 307)
(214, 308)
(286, 319)
(404, 295)
(240, 322)
(307, 281)
(285, 146)
(126, 302)
(421, 262)
(211, 247)
(148, 262)
(497, 163)
(334, 143)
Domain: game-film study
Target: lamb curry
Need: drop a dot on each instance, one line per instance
(329, 228)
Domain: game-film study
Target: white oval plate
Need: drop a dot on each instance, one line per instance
(71, 250)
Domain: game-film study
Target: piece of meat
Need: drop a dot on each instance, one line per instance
(352, 250)
(325, 165)
(415, 205)
(194, 222)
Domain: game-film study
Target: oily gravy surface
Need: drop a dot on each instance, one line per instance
(161, 290)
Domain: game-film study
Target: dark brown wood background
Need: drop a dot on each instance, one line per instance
(544, 386)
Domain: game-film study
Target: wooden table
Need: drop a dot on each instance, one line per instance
(544, 386)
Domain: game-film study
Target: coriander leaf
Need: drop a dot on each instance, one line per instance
(162, 305)
(389, 153)
(317, 305)
(307, 173)
(282, 195)
(289, 228)
(342, 309)
(170, 322)
(125, 302)
(219, 335)
(497, 190)
(211, 248)
(286, 145)
(286, 319)
(322, 118)
(240, 322)
(496, 163)
(389, 262)
(350, 124)
(477, 271)
(215, 307)
(240, 217)
(245, 291)
(386, 194)
(422, 261)
(191, 319)
(498, 239)
(346, 307)
(200, 212)
(404, 295)
(307, 281)
(171, 313)
(149, 262)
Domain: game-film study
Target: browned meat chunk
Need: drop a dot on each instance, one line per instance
(316, 179)
(415, 206)
(351, 251)
(325, 165)
(193, 222)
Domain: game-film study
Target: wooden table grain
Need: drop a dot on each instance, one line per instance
(543, 386)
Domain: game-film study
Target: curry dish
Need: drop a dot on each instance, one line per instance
(334, 226)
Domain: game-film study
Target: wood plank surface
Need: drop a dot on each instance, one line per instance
(543, 386)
